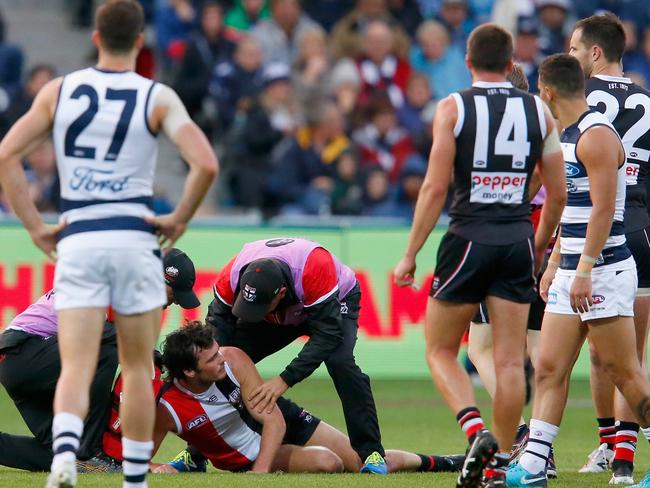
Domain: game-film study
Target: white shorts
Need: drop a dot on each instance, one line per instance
(129, 280)
(613, 294)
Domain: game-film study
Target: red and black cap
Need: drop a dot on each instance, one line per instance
(259, 284)
(180, 276)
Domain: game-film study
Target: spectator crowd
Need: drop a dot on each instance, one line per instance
(320, 107)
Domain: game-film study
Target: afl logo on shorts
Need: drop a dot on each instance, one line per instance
(278, 242)
(196, 421)
(597, 299)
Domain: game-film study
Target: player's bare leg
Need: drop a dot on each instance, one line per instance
(79, 337)
(136, 339)
(327, 436)
(445, 325)
(479, 350)
(306, 459)
(627, 427)
(444, 329)
(508, 320)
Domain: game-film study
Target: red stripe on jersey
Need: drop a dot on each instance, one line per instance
(222, 287)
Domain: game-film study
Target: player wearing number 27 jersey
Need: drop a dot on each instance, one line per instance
(487, 142)
(104, 122)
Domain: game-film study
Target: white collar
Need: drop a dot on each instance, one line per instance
(620, 79)
(492, 84)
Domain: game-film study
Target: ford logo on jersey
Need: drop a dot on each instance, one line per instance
(196, 421)
(570, 169)
(90, 179)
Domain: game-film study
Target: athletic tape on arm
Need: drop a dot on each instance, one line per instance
(552, 142)
(177, 115)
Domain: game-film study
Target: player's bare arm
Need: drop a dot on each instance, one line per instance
(601, 152)
(25, 135)
(170, 116)
(433, 193)
(273, 426)
(164, 423)
(552, 176)
(551, 268)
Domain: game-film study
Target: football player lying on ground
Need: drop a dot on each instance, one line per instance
(206, 403)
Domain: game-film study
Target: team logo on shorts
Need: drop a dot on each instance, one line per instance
(436, 283)
(196, 421)
(597, 299)
(552, 298)
(249, 293)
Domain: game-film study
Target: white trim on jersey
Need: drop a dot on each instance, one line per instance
(324, 297)
(492, 84)
(460, 107)
(576, 245)
(106, 210)
(481, 141)
(619, 79)
(172, 412)
(540, 116)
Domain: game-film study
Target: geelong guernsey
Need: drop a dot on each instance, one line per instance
(575, 217)
(627, 107)
(106, 156)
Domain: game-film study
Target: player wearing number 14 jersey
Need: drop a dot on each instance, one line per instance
(598, 43)
(104, 122)
(488, 140)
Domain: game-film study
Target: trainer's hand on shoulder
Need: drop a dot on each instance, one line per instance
(168, 228)
(404, 272)
(264, 396)
(45, 238)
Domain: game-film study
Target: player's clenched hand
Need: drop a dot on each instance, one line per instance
(162, 469)
(264, 396)
(580, 294)
(168, 228)
(45, 238)
(545, 282)
(404, 272)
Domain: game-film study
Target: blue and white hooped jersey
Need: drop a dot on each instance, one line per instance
(575, 217)
(106, 156)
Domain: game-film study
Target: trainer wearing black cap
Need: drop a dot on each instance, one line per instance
(30, 366)
(277, 290)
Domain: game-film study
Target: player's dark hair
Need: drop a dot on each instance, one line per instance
(119, 22)
(563, 72)
(489, 48)
(181, 347)
(605, 31)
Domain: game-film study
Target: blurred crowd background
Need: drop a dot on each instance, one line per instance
(315, 107)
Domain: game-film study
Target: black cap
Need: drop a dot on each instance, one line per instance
(258, 286)
(180, 276)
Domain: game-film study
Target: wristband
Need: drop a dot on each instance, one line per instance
(583, 274)
(588, 259)
(553, 264)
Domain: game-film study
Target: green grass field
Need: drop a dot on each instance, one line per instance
(412, 417)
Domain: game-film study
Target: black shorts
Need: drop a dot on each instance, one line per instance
(467, 272)
(301, 424)
(639, 244)
(535, 315)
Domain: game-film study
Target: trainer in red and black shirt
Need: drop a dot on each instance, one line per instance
(277, 290)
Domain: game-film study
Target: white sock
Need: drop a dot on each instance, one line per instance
(66, 432)
(540, 440)
(136, 462)
(646, 433)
